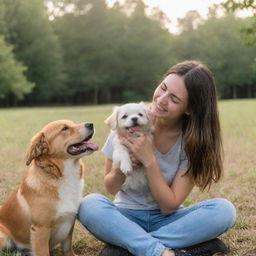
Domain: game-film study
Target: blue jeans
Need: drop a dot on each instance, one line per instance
(149, 232)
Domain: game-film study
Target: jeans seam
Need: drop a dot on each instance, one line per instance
(149, 219)
(159, 250)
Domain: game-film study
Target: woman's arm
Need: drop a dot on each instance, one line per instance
(113, 178)
(171, 197)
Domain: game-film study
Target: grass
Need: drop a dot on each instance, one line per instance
(238, 184)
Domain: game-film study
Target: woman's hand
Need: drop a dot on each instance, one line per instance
(140, 147)
(135, 162)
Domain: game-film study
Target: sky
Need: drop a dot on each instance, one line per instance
(175, 9)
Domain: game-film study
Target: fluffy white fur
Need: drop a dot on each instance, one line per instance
(133, 120)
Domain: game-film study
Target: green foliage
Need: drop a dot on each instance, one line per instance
(106, 50)
(87, 48)
(240, 4)
(12, 79)
(220, 45)
(36, 46)
(249, 30)
(190, 22)
(2, 11)
(83, 51)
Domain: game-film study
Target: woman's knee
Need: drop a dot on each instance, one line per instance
(91, 208)
(227, 212)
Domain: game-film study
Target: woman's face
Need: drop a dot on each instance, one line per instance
(170, 98)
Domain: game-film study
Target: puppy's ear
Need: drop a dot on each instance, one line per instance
(38, 147)
(144, 106)
(111, 121)
(146, 109)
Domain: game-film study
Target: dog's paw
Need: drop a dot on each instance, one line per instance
(126, 168)
(24, 252)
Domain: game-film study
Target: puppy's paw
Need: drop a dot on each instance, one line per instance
(126, 168)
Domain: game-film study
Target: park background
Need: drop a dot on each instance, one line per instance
(76, 59)
(88, 52)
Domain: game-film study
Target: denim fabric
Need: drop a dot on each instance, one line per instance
(149, 232)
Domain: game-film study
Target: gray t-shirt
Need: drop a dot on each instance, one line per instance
(169, 164)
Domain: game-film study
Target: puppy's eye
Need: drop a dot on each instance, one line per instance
(140, 114)
(124, 116)
(65, 128)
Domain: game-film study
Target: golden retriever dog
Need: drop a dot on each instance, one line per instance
(133, 120)
(42, 212)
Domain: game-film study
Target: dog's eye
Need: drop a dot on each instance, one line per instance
(65, 128)
(140, 114)
(124, 116)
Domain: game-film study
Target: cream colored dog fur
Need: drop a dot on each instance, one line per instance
(133, 120)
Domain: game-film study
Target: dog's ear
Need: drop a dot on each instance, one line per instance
(111, 121)
(38, 147)
(146, 109)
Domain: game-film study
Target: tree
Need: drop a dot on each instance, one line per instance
(13, 83)
(190, 22)
(219, 44)
(249, 30)
(35, 45)
(112, 54)
(146, 52)
(85, 42)
(2, 11)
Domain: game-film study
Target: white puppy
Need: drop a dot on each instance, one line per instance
(133, 120)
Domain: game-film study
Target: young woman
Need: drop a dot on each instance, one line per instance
(186, 151)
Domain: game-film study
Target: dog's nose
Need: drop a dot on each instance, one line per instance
(135, 119)
(89, 126)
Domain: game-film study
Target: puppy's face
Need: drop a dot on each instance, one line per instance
(63, 139)
(129, 118)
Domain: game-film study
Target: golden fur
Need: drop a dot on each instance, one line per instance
(41, 213)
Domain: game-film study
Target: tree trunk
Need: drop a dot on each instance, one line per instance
(15, 102)
(108, 96)
(95, 95)
(249, 91)
(234, 93)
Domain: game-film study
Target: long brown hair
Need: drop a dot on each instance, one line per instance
(201, 127)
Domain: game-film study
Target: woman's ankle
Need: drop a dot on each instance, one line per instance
(168, 252)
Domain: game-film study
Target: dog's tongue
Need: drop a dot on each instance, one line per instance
(90, 145)
(134, 129)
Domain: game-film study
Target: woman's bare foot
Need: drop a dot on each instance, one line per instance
(168, 253)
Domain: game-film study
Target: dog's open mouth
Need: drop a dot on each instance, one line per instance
(134, 129)
(83, 146)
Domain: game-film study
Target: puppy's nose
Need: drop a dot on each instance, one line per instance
(135, 119)
(89, 126)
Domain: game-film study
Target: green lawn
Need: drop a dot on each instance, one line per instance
(238, 121)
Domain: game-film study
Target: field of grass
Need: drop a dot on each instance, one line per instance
(238, 121)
